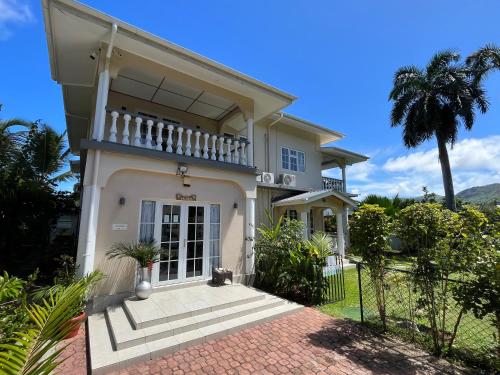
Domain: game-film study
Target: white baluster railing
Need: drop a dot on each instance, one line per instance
(170, 142)
(149, 135)
(215, 147)
(113, 130)
(228, 153)
(197, 144)
(159, 139)
(179, 140)
(125, 134)
(137, 138)
(205, 145)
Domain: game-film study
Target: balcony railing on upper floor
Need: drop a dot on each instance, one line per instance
(333, 184)
(145, 132)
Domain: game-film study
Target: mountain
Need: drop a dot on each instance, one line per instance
(481, 194)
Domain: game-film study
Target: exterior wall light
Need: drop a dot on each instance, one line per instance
(182, 169)
(121, 201)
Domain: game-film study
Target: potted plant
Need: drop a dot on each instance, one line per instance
(146, 254)
(65, 277)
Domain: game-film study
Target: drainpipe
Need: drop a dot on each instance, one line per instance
(92, 202)
(268, 164)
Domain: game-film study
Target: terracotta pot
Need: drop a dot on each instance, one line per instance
(75, 323)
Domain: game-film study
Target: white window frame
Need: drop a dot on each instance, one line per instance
(289, 163)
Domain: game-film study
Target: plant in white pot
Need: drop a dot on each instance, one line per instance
(146, 254)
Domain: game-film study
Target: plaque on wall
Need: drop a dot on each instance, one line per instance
(181, 197)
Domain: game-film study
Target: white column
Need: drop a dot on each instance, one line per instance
(344, 180)
(188, 142)
(345, 223)
(89, 217)
(170, 142)
(303, 218)
(340, 233)
(159, 138)
(221, 149)
(250, 148)
(197, 144)
(205, 145)
(250, 236)
(179, 140)
(213, 153)
(113, 130)
(149, 135)
(100, 106)
(137, 138)
(125, 139)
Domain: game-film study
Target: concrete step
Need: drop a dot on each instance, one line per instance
(125, 336)
(104, 357)
(174, 305)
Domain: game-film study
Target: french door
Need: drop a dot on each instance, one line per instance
(183, 234)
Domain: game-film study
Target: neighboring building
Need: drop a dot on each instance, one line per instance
(176, 147)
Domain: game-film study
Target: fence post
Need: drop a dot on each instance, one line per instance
(358, 267)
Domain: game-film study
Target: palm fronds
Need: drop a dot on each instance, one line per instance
(145, 253)
(34, 351)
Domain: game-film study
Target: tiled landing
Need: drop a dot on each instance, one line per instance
(172, 320)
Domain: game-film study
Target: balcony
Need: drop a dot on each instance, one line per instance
(187, 144)
(333, 184)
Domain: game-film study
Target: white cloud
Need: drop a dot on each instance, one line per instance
(13, 12)
(468, 154)
(361, 171)
(474, 162)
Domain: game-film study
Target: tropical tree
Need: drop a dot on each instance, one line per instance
(10, 140)
(484, 60)
(433, 102)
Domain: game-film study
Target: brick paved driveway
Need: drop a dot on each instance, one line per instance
(307, 342)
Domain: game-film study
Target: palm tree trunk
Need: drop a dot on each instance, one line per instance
(449, 192)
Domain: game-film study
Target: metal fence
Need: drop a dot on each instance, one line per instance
(475, 341)
(334, 275)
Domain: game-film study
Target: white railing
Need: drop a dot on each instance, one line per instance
(333, 184)
(142, 131)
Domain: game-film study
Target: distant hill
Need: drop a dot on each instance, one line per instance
(481, 194)
(477, 194)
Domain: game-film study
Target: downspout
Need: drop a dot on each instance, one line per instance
(103, 86)
(268, 164)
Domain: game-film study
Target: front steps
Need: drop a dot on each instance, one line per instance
(172, 320)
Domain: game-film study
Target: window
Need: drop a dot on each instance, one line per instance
(293, 160)
(291, 214)
(214, 260)
(147, 226)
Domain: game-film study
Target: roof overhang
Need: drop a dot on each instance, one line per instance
(324, 134)
(335, 156)
(75, 31)
(315, 196)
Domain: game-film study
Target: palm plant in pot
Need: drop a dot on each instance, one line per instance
(146, 254)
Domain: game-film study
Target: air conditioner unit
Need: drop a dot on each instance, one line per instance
(266, 178)
(288, 179)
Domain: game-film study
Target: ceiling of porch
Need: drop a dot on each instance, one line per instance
(161, 90)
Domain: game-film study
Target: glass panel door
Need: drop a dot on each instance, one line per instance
(195, 239)
(170, 243)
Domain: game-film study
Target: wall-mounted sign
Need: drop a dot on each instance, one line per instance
(120, 226)
(181, 197)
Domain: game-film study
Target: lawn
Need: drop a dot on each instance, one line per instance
(475, 339)
(349, 307)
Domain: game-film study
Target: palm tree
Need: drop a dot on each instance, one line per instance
(433, 102)
(484, 60)
(10, 140)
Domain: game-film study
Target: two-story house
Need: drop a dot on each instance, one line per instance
(178, 148)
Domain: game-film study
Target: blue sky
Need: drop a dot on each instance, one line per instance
(338, 57)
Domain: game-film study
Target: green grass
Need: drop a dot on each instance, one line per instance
(349, 307)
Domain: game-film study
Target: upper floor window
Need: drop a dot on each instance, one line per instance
(293, 160)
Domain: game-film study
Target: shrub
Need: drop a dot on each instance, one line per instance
(289, 266)
(369, 237)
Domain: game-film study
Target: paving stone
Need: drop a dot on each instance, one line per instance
(305, 342)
